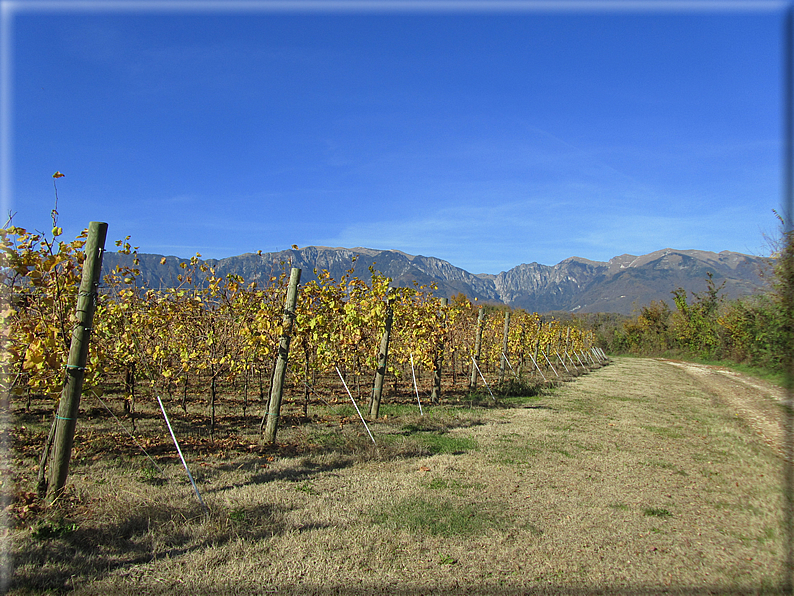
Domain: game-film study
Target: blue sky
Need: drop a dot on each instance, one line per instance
(488, 138)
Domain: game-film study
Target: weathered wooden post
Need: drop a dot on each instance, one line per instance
(477, 349)
(277, 390)
(438, 361)
(66, 418)
(503, 364)
(523, 349)
(383, 355)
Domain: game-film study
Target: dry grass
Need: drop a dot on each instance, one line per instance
(631, 479)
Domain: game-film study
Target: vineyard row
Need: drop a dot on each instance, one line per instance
(225, 329)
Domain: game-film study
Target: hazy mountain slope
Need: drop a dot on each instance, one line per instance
(627, 282)
(575, 284)
(404, 269)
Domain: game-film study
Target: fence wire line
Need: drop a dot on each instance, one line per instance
(562, 361)
(536, 366)
(128, 432)
(550, 364)
(356, 406)
(483, 378)
(510, 365)
(182, 457)
(312, 390)
(416, 389)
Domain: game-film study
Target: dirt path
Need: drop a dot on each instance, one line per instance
(756, 402)
(633, 479)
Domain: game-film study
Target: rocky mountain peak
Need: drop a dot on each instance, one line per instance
(621, 285)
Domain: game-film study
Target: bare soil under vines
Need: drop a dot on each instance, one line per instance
(645, 476)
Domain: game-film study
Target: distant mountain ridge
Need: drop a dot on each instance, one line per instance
(621, 285)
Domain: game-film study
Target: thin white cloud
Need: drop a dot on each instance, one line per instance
(550, 232)
(638, 233)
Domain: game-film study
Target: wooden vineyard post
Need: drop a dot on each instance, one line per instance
(477, 349)
(66, 418)
(383, 355)
(438, 361)
(521, 357)
(274, 407)
(503, 364)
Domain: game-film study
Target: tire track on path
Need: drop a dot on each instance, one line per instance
(757, 403)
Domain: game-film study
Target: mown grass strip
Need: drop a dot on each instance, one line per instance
(438, 518)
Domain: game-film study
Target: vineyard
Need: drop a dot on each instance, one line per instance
(218, 342)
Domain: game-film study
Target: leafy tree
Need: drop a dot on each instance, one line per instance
(696, 324)
(650, 332)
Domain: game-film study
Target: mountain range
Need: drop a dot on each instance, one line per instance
(621, 285)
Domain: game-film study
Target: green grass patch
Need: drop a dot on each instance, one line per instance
(441, 484)
(432, 435)
(584, 406)
(443, 443)
(512, 461)
(306, 488)
(767, 535)
(664, 431)
(658, 463)
(345, 411)
(50, 529)
(519, 400)
(151, 475)
(438, 518)
(331, 439)
(453, 485)
(656, 512)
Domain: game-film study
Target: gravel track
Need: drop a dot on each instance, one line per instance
(756, 402)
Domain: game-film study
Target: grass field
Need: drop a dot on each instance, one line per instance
(632, 479)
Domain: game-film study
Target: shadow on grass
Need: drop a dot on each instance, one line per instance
(66, 554)
(305, 470)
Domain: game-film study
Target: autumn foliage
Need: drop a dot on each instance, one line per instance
(225, 329)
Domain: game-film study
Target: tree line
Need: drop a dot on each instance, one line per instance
(755, 330)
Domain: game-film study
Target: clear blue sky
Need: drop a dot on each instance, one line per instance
(485, 138)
